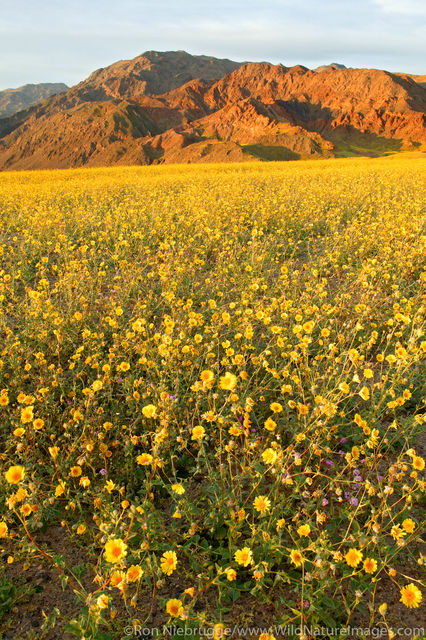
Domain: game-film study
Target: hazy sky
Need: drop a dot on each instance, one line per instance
(65, 40)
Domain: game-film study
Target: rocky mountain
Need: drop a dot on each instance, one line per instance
(418, 79)
(175, 107)
(333, 65)
(13, 100)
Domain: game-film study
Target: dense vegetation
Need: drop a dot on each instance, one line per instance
(211, 378)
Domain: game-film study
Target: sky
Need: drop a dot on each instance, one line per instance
(65, 40)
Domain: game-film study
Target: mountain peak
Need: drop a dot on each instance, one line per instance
(176, 107)
(333, 66)
(13, 100)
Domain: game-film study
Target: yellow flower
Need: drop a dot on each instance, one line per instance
(383, 608)
(418, 463)
(364, 393)
(149, 411)
(4, 399)
(97, 385)
(109, 485)
(81, 529)
(276, 407)
(355, 452)
(269, 456)
(409, 525)
(75, 472)
(207, 376)
(270, 425)
(115, 550)
(353, 557)
(21, 494)
(219, 631)
(344, 387)
(53, 451)
(60, 489)
(124, 366)
(168, 562)
(303, 409)
(235, 430)
(198, 433)
(397, 533)
(27, 414)
(102, 601)
(308, 326)
(304, 530)
(19, 432)
(38, 424)
(144, 459)
(370, 565)
(231, 574)
(262, 504)
(137, 325)
(174, 608)
(134, 573)
(411, 596)
(3, 529)
(296, 557)
(244, 556)
(117, 578)
(228, 381)
(178, 488)
(15, 474)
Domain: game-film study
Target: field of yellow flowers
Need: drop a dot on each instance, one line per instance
(211, 382)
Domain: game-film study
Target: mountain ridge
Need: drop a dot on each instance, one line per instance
(14, 100)
(175, 107)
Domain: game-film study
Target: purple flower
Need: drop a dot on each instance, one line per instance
(343, 440)
(120, 379)
(103, 472)
(324, 502)
(328, 463)
(354, 502)
(347, 495)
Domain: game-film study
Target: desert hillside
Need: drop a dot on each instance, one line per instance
(175, 107)
(14, 100)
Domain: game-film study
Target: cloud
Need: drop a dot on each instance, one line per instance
(65, 41)
(405, 7)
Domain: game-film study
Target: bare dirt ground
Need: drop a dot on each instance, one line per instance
(40, 592)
